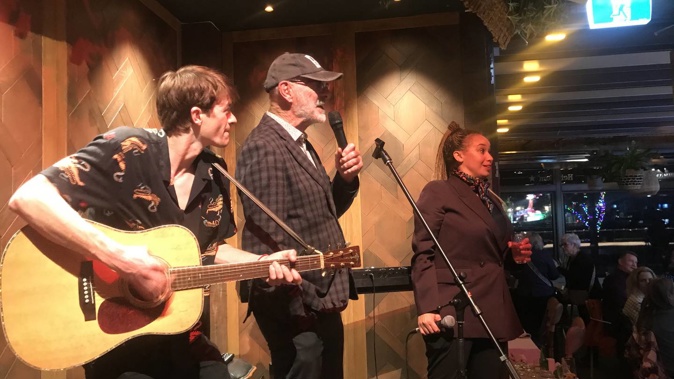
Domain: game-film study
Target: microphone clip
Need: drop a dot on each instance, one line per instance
(379, 152)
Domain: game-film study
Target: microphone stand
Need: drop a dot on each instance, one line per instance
(460, 302)
(463, 299)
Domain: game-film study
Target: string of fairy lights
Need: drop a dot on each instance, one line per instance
(584, 215)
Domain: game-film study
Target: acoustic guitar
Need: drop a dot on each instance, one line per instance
(61, 310)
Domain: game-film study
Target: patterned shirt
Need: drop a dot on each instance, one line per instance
(122, 179)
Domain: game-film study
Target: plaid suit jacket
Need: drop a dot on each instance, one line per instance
(276, 170)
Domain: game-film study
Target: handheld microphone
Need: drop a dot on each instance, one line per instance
(337, 126)
(447, 322)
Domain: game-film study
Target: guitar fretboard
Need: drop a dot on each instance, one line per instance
(201, 276)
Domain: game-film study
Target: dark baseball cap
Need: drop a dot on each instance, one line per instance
(295, 65)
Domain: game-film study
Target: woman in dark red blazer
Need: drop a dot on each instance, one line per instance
(469, 222)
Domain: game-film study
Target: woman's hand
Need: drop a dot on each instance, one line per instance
(428, 323)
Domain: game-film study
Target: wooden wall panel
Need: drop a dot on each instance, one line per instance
(21, 127)
(117, 50)
(409, 89)
(70, 69)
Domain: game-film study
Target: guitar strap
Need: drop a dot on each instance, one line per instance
(266, 210)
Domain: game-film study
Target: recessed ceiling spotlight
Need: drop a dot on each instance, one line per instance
(515, 108)
(502, 122)
(555, 37)
(515, 97)
(502, 130)
(531, 78)
(269, 8)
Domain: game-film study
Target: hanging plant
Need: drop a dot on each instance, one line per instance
(533, 18)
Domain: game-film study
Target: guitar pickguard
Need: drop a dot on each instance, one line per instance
(117, 316)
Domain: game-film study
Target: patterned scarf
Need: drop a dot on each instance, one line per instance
(479, 186)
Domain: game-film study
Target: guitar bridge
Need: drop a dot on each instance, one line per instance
(86, 290)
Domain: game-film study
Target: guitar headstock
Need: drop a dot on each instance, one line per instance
(347, 257)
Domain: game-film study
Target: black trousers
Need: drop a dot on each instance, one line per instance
(158, 357)
(531, 311)
(207, 370)
(482, 357)
(307, 348)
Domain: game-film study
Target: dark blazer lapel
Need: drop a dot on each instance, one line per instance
(498, 206)
(470, 199)
(316, 173)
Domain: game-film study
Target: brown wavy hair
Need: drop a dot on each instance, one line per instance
(633, 278)
(453, 140)
(190, 86)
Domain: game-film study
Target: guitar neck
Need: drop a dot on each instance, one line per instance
(201, 276)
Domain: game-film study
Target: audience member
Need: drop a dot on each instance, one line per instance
(580, 273)
(534, 288)
(615, 286)
(637, 283)
(657, 316)
(614, 296)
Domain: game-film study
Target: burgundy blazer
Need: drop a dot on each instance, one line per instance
(476, 243)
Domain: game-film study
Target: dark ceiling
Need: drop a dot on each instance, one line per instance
(564, 120)
(233, 15)
(599, 90)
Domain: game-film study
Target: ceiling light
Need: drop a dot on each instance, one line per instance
(515, 108)
(530, 66)
(502, 130)
(555, 37)
(502, 122)
(514, 97)
(532, 78)
(268, 8)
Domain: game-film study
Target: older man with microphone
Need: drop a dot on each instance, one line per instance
(302, 325)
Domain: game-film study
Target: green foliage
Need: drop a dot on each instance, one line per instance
(533, 18)
(613, 166)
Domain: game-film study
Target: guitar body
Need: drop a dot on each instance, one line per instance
(48, 316)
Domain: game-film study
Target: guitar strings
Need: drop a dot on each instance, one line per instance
(199, 276)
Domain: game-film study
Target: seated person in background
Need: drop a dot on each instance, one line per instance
(614, 294)
(657, 317)
(613, 300)
(534, 288)
(637, 283)
(580, 273)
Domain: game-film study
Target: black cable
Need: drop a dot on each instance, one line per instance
(374, 325)
(407, 364)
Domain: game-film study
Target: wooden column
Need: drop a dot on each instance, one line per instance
(54, 97)
(54, 83)
(478, 91)
(354, 315)
(225, 320)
